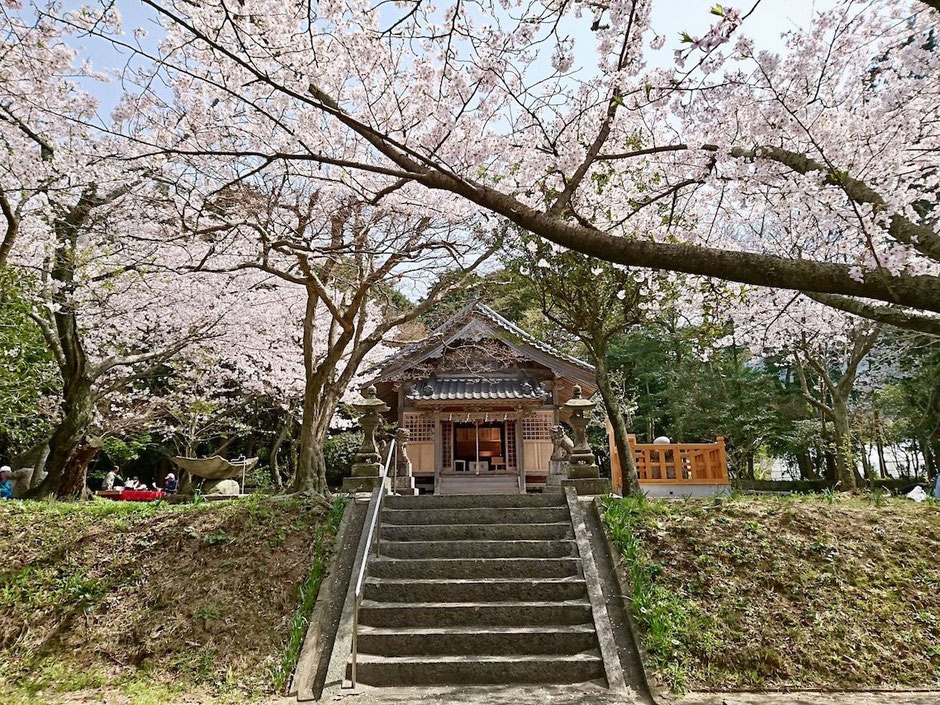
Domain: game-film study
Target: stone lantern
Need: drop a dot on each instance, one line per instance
(583, 473)
(367, 468)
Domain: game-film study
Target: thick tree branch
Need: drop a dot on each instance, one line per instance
(52, 339)
(801, 374)
(746, 267)
(112, 361)
(863, 344)
(892, 315)
(13, 227)
(921, 237)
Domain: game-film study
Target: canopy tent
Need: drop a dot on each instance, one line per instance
(216, 467)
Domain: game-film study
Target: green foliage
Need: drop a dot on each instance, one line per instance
(339, 451)
(28, 374)
(664, 616)
(121, 451)
(323, 540)
(688, 395)
(259, 478)
(219, 537)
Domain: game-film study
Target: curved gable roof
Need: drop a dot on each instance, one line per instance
(478, 318)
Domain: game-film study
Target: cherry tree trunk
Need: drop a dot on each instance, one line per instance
(631, 485)
(866, 463)
(35, 458)
(68, 435)
(319, 403)
(844, 455)
(310, 476)
(882, 465)
(282, 433)
(930, 458)
(805, 463)
(72, 484)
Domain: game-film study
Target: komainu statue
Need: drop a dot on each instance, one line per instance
(561, 444)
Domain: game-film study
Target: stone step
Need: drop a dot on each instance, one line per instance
(467, 532)
(495, 641)
(478, 485)
(470, 590)
(463, 568)
(428, 501)
(485, 515)
(478, 670)
(465, 614)
(478, 549)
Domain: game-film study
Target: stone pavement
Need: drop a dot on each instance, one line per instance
(813, 698)
(584, 694)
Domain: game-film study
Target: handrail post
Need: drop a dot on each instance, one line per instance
(372, 527)
(355, 644)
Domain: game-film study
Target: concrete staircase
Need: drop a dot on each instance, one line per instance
(477, 590)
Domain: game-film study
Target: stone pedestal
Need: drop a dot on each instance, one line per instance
(583, 473)
(557, 471)
(367, 468)
(403, 482)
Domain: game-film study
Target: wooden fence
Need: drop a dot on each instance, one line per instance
(673, 463)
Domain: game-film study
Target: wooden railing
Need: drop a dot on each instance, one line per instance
(672, 463)
(689, 463)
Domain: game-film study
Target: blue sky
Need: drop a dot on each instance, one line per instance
(670, 17)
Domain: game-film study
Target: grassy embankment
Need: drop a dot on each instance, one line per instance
(771, 592)
(151, 603)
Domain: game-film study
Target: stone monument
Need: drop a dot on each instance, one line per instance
(404, 481)
(561, 452)
(583, 473)
(367, 469)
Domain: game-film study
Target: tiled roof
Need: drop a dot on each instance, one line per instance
(511, 327)
(472, 388)
(488, 314)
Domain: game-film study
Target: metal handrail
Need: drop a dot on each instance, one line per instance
(373, 523)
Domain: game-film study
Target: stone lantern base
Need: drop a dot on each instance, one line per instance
(586, 479)
(588, 485)
(361, 484)
(365, 478)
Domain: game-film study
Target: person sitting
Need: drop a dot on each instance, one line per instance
(169, 484)
(134, 484)
(6, 485)
(111, 478)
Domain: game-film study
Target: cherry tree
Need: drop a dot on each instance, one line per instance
(347, 261)
(84, 229)
(595, 301)
(829, 351)
(773, 169)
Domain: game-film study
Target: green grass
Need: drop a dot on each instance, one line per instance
(663, 615)
(822, 591)
(308, 596)
(77, 614)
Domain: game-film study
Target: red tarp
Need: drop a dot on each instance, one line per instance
(142, 495)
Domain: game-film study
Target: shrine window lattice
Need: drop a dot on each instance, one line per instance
(420, 428)
(538, 426)
(447, 449)
(511, 446)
